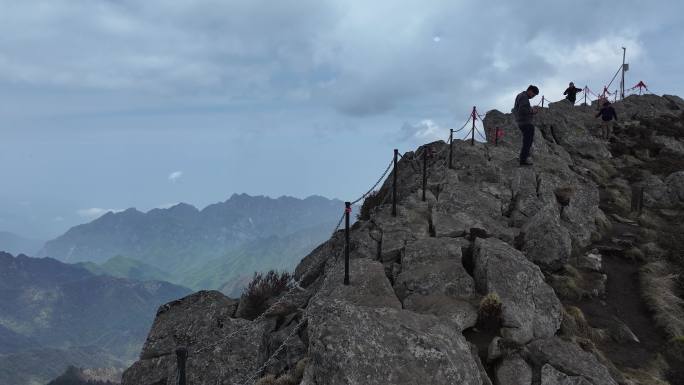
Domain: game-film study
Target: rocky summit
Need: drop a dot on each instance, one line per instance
(563, 272)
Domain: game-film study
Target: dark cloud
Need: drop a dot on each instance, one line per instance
(120, 93)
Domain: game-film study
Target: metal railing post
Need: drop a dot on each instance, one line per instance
(347, 211)
(394, 184)
(472, 137)
(425, 156)
(451, 146)
(181, 358)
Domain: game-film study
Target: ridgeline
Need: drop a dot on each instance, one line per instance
(565, 272)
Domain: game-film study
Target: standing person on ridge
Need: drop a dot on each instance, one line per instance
(524, 113)
(607, 114)
(572, 92)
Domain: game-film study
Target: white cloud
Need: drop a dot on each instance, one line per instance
(424, 131)
(175, 176)
(95, 212)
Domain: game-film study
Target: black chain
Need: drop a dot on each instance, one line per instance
(389, 166)
(339, 223)
(464, 124)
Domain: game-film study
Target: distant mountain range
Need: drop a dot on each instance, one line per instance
(16, 244)
(123, 267)
(54, 314)
(200, 249)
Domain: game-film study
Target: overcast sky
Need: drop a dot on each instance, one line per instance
(121, 103)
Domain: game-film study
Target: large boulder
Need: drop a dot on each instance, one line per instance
(551, 376)
(570, 359)
(434, 266)
(434, 281)
(351, 344)
(219, 347)
(513, 370)
(396, 232)
(368, 285)
(546, 242)
(675, 189)
(530, 308)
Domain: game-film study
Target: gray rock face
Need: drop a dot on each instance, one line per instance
(547, 243)
(675, 189)
(570, 359)
(396, 232)
(434, 281)
(513, 371)
(530, 307)
(483, 372)
(551, 376)
(462, 313)
(219, 347)
(361, 345)
(454, 225)
(433, 266)
(667, 194)
(368, 285)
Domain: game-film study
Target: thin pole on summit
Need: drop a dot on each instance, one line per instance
(622, 83)
(394, 184)
(474, 115)
(451, 146)
(585, 94)
(347, 211)
(542, 101)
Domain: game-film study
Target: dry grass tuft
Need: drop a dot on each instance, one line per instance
(300, 368)
(286, 379)
(566, 287)
(659, 291)
(260, 290)
(489, 312)
(574, 324)
(653, 373)
(268, 379)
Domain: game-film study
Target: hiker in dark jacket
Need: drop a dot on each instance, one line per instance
(571, 92)
(607, 114)
(524, 113)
